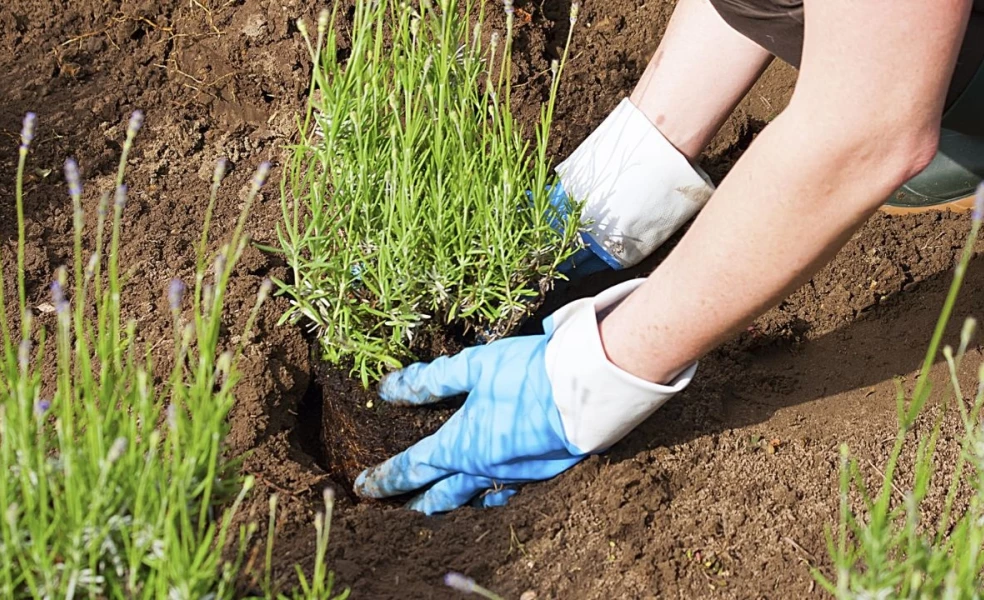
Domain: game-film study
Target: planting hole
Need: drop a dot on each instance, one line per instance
(346, 428)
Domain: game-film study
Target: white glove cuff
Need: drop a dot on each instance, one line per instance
(599, 403)
(637, 188)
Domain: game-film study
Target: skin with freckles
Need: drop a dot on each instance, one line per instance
(700, 72)
(863, 119)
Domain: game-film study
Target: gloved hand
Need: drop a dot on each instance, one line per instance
(536, 406)
(591, 258)
(636, 190)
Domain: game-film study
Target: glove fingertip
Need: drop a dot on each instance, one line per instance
(496, 498)
(396, 388)
(429, 504)
(367, 484)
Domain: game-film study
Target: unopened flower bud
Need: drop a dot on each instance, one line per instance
(175, 293)
(116, 450)
(27, 131)
(220, 170)
(224, 363)
(260, 177)
(459, 582)
(264, 292)
(41, 407)
(136, 122)
(575, 11)
(58, 297)
(119, 199)
(73, 179)
(90, 267)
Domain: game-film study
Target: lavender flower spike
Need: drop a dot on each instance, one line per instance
(41, 407)
(136, 122)
(73, 179)
(27, 131)
(979, 203)
(58, 296)
(457, 581)
(261, 174)
(508, 5)
(119, 200)
(220, 170)
(175, 293)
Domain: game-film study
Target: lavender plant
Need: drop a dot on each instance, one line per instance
(885, 550)
(112, 486)
(412, 195)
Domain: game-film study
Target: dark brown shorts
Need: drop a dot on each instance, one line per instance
(777, 26)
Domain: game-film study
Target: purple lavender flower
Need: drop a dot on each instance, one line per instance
(979, 204)
(136, 122)
(58, 295)
(220, 170)
(508, 5)
(27, 131)
(73, 179)
(260, 177)
(119, 200)
(457, 581)
(41, 407)
(175, 292)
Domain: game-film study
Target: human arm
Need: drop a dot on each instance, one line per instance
(863, 119)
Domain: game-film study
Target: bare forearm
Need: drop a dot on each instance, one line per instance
(781, 214)
(864, 118)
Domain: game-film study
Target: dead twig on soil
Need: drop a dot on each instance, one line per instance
(882, 475)
(202, 86)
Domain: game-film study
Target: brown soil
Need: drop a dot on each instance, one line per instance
(687, 506)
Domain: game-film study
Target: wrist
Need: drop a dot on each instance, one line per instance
(598, 401)
(626, 348)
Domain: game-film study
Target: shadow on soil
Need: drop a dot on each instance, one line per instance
(747, 381)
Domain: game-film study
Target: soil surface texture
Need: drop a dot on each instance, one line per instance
(724, 493)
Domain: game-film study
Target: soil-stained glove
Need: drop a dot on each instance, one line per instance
(536, 406)
(637, 190)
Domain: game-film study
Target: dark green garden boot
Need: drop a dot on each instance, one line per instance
(950, 180)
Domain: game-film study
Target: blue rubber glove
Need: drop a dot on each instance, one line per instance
(592, 257)
(536, 406)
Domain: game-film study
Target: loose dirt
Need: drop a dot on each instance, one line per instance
(725, 492)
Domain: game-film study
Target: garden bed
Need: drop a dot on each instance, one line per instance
(725, 492)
